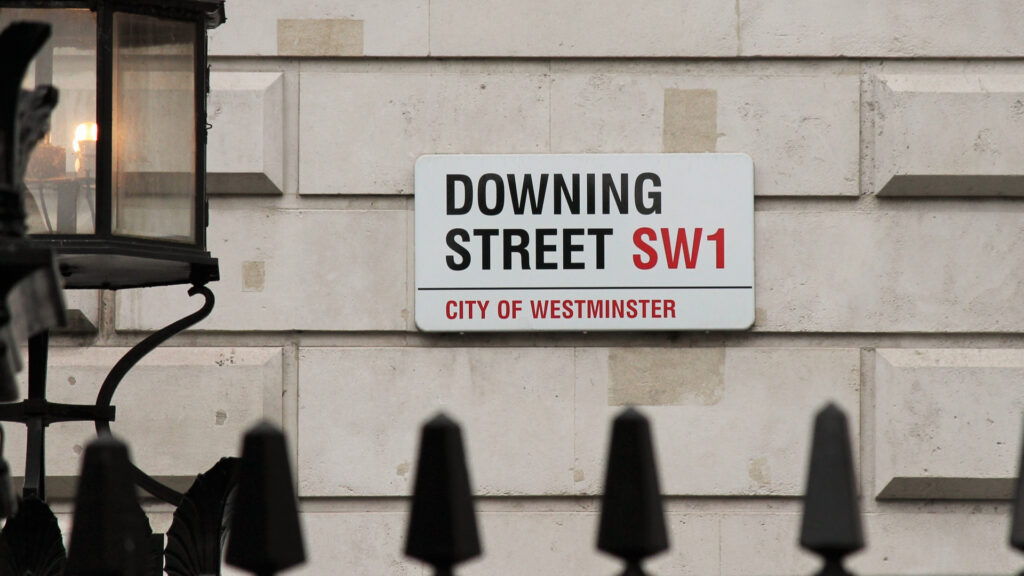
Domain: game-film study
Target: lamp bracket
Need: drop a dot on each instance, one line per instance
(127, 362)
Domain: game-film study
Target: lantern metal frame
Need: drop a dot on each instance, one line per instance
(111, 533)
(104, 259)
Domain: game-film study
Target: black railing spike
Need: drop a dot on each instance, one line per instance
(831, 520)
(442, 520)
(632, 525)
(109, 534)
(1017, 524)
(265, 536)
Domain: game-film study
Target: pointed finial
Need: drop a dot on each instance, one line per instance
(110, 533)
(831, 519)
(632, 523)
(442, 520)
(265, 533)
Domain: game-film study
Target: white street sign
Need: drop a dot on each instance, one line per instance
(584, 242)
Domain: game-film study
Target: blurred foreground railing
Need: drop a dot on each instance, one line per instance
(442, 524)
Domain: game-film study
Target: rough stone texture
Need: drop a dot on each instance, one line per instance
(179, 410)
(763, 545)
(799, 122)
(743, 427)
(245, 150)
(530, 539)
(582, 28)
(653, 28)
(949, 134)
(367, 141)
(363, 542)
(523, 451)
(397, 28)
(868, 273)
(560, 395)
(900, 541)
(948, 422)
(322, 270)
(880, 28)
(900, 269)
(803, 115)
(562, 542)
(970, 541)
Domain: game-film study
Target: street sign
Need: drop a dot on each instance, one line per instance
(584, 242)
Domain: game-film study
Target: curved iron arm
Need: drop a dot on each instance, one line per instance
(127, 362)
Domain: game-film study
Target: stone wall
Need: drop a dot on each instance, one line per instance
(888, 143)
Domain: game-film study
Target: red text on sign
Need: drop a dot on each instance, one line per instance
(675, 247)
(460, 309)
(585, 309)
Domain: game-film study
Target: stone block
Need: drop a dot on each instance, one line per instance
(949, 135)
(880, 28)
(835, 270)
(291, 269)
(563, 542)
(527, 539)
(317, 28)
(894, 270)
(959, 541)
(761, 544)
(179, 409)
(799, 123)
(948, 422)
(83, 310)
(362, 542)
(727, 422)
(534, 28)
(245, 149)
(514, 405)
(367, 142)
(558, 543)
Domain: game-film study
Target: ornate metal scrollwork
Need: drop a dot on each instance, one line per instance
(30, 543)
(198, 531)
(127, 362)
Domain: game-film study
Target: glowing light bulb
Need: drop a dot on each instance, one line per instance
(86, 131)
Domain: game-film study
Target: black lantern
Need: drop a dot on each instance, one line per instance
(122, 206)
(118, 186)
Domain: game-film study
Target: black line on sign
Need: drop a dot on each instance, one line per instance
(589, 288)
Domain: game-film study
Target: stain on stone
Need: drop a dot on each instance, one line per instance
(254, 275)
(666, 376)
(690, 122)
(577, 475)
(320, 37)
(77, 448)
(402, 469)
(759, 471)
(72, 380)
(220, 417)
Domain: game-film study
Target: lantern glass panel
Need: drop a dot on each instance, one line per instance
(61, 173)
(154, 132)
